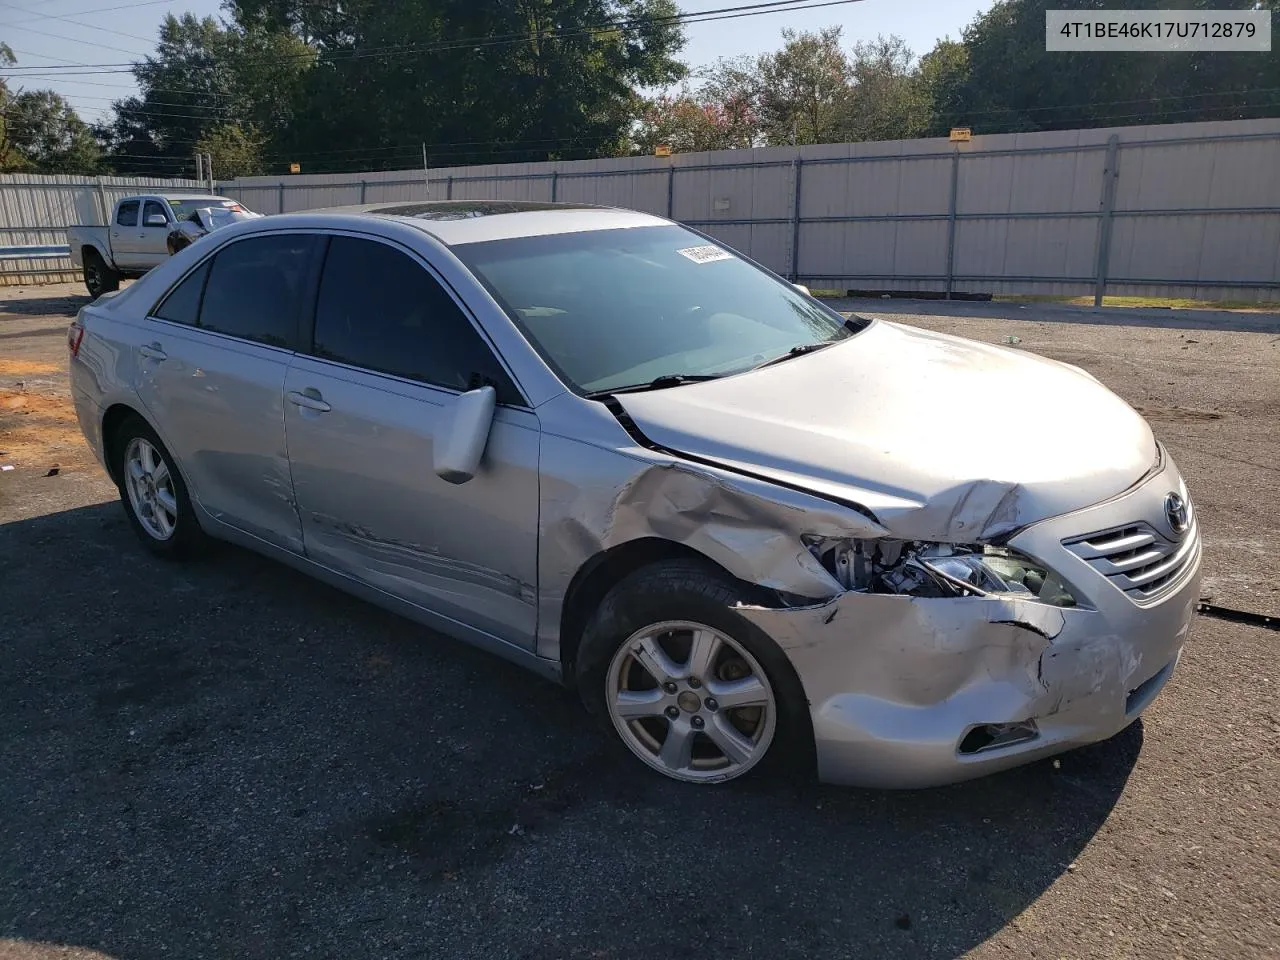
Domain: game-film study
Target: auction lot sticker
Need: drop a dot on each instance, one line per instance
(1167, 31)
(707, 254)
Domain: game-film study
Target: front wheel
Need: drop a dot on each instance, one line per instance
(154, 496)
(694, 690)
(98, 277)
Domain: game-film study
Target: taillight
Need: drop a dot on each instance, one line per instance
(75, 334)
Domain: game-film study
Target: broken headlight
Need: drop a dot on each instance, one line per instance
(939, 570)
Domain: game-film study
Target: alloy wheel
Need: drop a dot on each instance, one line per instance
(149, 484)
(691, 702)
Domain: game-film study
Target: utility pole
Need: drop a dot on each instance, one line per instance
(208, 169)
(200, 167)
(426, 171)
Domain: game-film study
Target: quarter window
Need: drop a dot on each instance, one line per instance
(381, 310)
(182, 305)
(127, 215)
(256, 286)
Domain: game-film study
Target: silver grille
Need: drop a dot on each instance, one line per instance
(1138, 559)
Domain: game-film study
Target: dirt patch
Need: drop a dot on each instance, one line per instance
(40, 429)
(27, 368)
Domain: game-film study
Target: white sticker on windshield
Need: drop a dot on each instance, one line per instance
(707, 254)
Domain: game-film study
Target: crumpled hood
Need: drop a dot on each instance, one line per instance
(940, 437)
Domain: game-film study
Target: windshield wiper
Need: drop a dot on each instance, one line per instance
(663, 382)
(799, 351)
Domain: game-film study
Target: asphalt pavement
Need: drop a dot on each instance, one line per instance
(227, 759)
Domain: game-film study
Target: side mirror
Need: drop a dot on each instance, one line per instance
(460, 445)
(803, 289)
(157, 220)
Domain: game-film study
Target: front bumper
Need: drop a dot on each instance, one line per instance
(896, 683)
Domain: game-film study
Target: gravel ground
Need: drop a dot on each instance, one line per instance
(229, 760)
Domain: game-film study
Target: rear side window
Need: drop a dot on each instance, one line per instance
(127, 215)
(182, 305)
(256, 286)
(381, 310)
(153, 209)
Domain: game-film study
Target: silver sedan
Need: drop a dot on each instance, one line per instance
(749, 531)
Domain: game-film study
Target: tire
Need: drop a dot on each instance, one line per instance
(98, 277)
(155, 501)
(679, 608)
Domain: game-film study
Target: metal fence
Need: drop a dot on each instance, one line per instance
(1181, 210)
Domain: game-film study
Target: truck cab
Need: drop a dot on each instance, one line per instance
(135, 240)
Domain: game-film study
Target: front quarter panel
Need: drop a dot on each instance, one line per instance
(601, 490)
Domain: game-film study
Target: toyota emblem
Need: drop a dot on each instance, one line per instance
(1176, 512)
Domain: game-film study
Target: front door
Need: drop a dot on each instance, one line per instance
(212, 361)
(153, 241)
(392, 349)
(125, 240)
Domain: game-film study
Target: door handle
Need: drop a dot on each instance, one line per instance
(309, 399)
(152, 351)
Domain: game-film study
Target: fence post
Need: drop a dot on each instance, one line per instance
(281, 198)
(555, 179)
(364, 191)
(448, 189)
(671, 190)
(102, 202)
(951, 221)
(1105, 220)
(796, 164)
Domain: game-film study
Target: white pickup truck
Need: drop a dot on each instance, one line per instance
(138, 237)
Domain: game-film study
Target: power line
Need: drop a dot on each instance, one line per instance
(66, 39)
(85, 13)
(78, 23)
(705, 16)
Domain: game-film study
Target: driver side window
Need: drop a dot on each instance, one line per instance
(381, 310)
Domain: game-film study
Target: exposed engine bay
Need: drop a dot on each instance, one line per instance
(919, 569)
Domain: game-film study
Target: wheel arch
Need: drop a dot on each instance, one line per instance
(92, 248)
(599, 574)
(112, 419)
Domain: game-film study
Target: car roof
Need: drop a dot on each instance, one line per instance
(455, 222)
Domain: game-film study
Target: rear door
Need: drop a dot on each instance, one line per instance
(125, 242)
(212, 378)
(364, 408)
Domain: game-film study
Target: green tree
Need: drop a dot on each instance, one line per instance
(889, 100)
(234, 151)
(804, 89)
(476, 80)
(44, 134)
(942, 75)
(1010, 83)
(205, 77)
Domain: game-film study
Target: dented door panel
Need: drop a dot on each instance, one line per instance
(373, 508)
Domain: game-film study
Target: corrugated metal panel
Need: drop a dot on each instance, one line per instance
(1196, 211)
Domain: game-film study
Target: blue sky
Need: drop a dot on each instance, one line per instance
(44, 32)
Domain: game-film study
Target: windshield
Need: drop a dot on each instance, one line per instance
(183, 209)
(615, 308)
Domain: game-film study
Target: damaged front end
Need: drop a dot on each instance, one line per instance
(937, 570)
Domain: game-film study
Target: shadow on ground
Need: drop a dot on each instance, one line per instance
(1066, 313)
(228, 759)
(41, 306)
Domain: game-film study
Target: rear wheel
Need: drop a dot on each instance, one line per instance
(155, 498)
(694, 690)
(98, 277)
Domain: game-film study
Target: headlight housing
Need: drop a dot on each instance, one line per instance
(924, 569)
